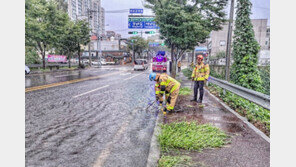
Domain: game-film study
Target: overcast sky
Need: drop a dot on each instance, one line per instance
(119, 21)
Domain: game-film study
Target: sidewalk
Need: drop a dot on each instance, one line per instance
(247, 148)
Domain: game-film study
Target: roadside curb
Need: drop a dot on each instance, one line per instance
(154, 151)
(245, 120)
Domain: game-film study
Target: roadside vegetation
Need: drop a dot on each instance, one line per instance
(257, 115)
(190, 136)
(170, 161)
(185, 91)
(187, 72)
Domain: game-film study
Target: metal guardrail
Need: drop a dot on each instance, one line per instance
(251, 95)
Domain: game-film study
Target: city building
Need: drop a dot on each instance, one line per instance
(78, 9)
(218, 39)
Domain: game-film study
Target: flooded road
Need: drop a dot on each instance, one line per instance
(96, 122)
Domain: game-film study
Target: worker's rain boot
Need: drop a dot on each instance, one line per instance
(199, 101)
(194, 99)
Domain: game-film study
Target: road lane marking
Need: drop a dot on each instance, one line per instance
(91, 91)
(134, 76)
(68, 82)
(106, 152)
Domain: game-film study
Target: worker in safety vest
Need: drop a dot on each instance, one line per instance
(200, 74)
(168, 86)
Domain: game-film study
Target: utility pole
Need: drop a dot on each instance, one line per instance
(133, 58)
(99, 36)
(228, 47)
(229, 37)
(89, 52)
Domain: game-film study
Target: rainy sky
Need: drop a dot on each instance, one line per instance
(119, 21)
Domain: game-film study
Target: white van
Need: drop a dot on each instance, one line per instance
(140, 64)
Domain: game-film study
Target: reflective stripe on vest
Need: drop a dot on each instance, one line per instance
(170, 107)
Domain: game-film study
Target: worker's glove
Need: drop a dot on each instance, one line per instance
(192, 79)
(169, 99)
(160, 103)
(157, 98)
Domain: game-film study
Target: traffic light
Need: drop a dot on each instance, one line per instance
(133, 32)
(162, 44)
(149, 32)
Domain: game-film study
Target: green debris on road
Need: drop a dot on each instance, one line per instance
(191, 136)
(171, 161)
(185, 91)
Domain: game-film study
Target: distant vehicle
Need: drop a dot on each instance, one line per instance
(85, 61)
(103, 62)
(94, 63)
(110, 62)
(27, 70)
(159, 62)
(140, 64)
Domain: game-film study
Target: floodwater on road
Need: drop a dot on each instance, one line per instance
(89, 123)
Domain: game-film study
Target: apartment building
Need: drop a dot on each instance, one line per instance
(78, 9)
(218, 39)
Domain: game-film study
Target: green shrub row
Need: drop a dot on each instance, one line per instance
(252, 111)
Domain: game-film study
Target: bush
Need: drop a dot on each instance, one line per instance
(187, 72)
(185, 91)
(252, 111)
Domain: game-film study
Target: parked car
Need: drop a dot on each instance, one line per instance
(85, 61)
(140, 64)
(94, 63)
(103, 62)
(110, 62)
(27, 70)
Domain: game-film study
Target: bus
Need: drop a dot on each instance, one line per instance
(159, 62)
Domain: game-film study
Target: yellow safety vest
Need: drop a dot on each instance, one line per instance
(201, 72)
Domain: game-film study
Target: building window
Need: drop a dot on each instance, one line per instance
(222, 43)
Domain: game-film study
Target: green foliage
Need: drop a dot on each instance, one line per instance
(185, 91)
(245, 50)
(140, 44)
(44, 25)
(265, 76)
(191, 136)
(216, 74)
(48, 28)
(31, 56)
(75, 33)
(252, 111)
(187, 72)
(173, 161)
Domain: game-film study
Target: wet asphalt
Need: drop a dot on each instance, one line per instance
(99, 122)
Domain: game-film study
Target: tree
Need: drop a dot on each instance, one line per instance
(185, 25)
(31, 56)
(140, 44)
(44, 25)
(245, 50)
(62, 5)
(75, 34)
